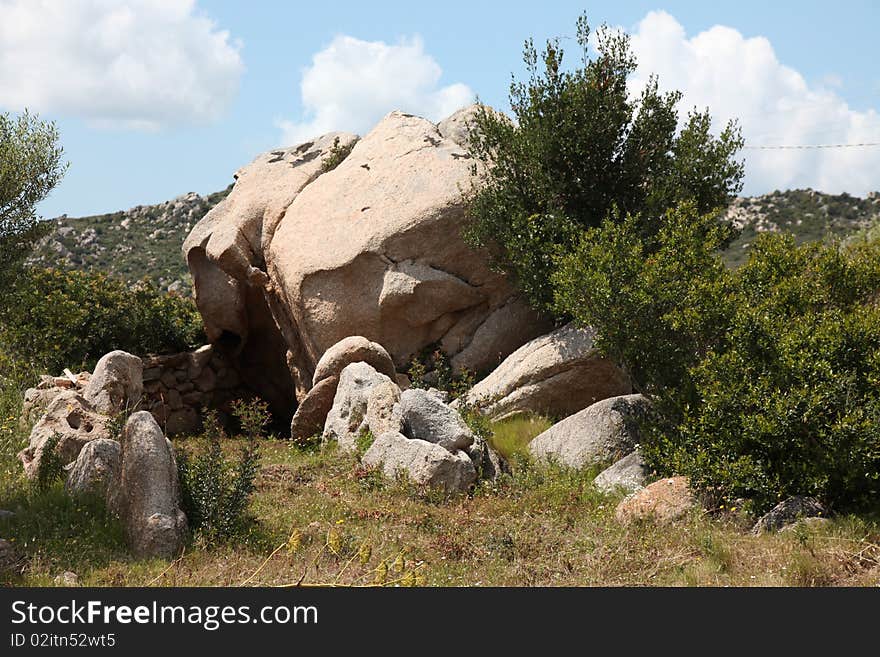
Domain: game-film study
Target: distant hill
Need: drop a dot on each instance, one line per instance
(807, 214)
(130, 244)
(146, 240)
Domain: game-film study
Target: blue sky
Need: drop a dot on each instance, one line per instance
(155, 98)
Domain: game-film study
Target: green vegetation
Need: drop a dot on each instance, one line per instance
(764, 377)
(316, 522)
(336, 155)
(57, 319)
(579, 148)
(511, 437)
(807, 215)
(30, 167)
(215, 490)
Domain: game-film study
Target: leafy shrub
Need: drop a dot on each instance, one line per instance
(216, 490)
(58, 319)
(50, 467)
(336, 155)
(431, 369)
(764, 378)
(579, 147)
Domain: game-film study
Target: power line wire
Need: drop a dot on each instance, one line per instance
(807, 146)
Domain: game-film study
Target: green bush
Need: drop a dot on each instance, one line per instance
(57, 319)
(216, 490)
(765, 379)
(579, 147)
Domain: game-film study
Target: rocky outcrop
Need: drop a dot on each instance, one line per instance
(365, 400)
(556, 375)
(226, 253)
(37, 400)
(71, 422)
(663, 502)
(96, 471)
(149, 492)
(788, 512)
(629, 475)
(424, 464)
(298, 258)
(602, 432)
(116, 384)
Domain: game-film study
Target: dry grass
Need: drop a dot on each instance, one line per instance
(319, 519)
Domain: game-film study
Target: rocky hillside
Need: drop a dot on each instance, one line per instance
(130, 244)
(146, 240)
(807, 214)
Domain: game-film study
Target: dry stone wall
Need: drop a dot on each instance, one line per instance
(177, 387)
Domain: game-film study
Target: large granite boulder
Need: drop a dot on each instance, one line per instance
(556, 375)
(74, 422)
(226, 254)
(372, 247)
(601, 432)
(149, 491)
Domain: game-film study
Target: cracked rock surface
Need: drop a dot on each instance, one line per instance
(299, 257)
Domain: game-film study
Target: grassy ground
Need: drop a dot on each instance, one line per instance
(319, 519)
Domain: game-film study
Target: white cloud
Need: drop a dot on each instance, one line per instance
(142, 64)
(351, 84)
(739, 77)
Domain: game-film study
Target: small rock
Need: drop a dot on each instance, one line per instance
(353, 349)
(488, 462)
(311, 414)
(174, 400)
(425, 464)
(354, 402)
(67, 578)
(206, 381)
(628, 474)
(426, 417)
(117, 383)
(664, 502)
(788, 512)
(183, 420)
(152, 374)
(96, 469)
